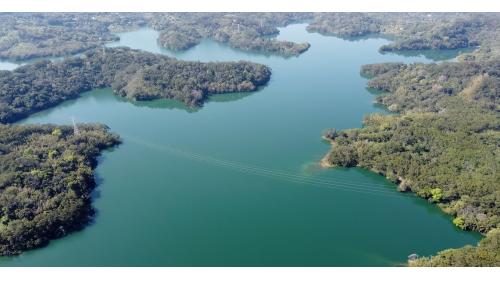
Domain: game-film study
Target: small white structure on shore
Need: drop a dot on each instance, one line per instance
(412, 257)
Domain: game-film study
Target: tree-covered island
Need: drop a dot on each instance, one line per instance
(245, 31)
(46, 181)
(46, 171)
(35, 35)
(133, 74)
(442, 143)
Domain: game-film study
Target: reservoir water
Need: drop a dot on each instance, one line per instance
(236, 182)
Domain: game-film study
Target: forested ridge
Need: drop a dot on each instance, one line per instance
(46, 172)
(34, 35)
(418, 31)
(245, 31)
(444, 145)
(46, 180)
(131, 73)
(427, 87)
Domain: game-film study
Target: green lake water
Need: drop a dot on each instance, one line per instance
(236, 182)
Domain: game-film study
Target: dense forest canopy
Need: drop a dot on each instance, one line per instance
(133, 74)
(46, 176)
(444, 145)
(46, 180)
(430, 153)
(246, 31)
(425, 87)
(485, 254)
(34, 35)
(418, 31)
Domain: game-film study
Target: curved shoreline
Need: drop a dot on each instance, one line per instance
(396, 147)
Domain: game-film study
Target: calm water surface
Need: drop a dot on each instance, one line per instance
(236, 183)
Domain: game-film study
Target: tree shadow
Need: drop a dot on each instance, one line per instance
(435, 55)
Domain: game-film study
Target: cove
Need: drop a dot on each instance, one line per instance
(236, 183)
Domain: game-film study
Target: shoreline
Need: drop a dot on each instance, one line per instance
(324, 163)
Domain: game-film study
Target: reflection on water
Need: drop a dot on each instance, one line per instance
(219, 50)
(176, 104)
(436, 55)
(142, 38)
(361, 38)
(229, 97)
(160, 103)
(236, 183)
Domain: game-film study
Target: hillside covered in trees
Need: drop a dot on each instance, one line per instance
(245, 31)
(133, 74)
(46, 180)
(33, 35)
(444, 145)
(485, 254)
(46, 171)
(418, 31)
(427, 87)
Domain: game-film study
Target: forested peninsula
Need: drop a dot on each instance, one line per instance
(245, 31)
(33, 35)
(444, 145)
(133, 74)
(36, 35)
(417, 31)
(46, 181)
(46, 171)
